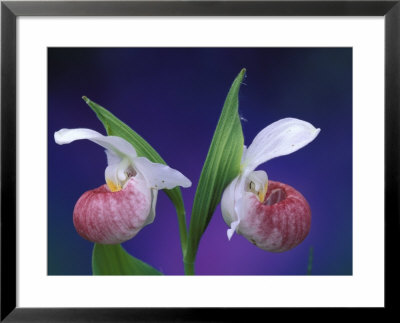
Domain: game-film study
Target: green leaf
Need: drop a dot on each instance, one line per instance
(222, 165)
(114, 260)
(115, 127)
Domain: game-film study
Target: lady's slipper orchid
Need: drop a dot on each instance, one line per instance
(271, 215)
(116, 211)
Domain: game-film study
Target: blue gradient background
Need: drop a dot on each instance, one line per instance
(173, 98)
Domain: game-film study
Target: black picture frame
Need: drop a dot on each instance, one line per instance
(11, 10)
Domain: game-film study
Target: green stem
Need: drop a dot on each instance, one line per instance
(175, 196)
(191, 251)
(190, 257)
(189, 268)
(182, 228)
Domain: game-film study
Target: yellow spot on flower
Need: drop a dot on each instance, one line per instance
(112, 186)
(262, 193)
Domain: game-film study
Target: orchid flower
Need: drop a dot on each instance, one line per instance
(271, 215)
(116, 211)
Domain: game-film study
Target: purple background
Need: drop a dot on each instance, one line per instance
(173, 98)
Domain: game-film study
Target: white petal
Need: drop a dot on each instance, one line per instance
(111, 174)
(232, 203)
(259, 178)
(152, 213)
(113, 169)
(112, 158)
(117, 145)
(160, 176)
(228, 203)
(243, 154)
(239, 201)
(278, 139)
(232, 229)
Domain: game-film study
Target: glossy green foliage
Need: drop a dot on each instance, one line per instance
(114, 260)
(222, 165)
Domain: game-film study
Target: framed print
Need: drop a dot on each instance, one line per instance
(249, 147)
